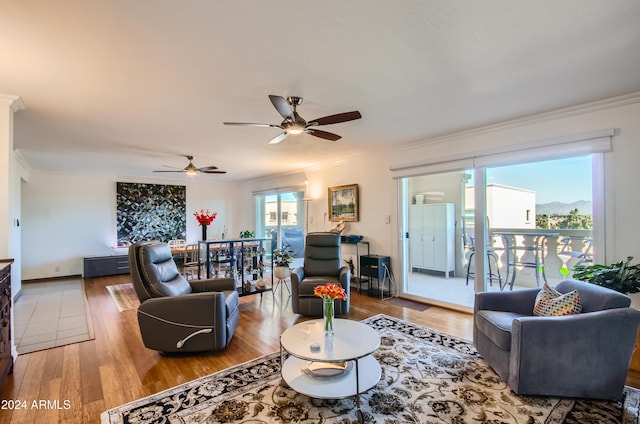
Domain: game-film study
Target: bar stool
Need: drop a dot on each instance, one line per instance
(491, 275)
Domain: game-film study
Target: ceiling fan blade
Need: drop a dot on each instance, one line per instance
(277, 139)
(323, 134)
(212, 171)
(335, 119)
(282, 106)
(169, 171)
(207, 168)
(252, 124)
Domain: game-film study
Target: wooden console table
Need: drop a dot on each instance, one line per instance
(6, 358)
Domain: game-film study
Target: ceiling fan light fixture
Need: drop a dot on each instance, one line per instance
(191, 172)
(294, 124)
(295, 130)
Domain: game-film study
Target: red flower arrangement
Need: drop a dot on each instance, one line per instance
(330, 291)
(205, 217)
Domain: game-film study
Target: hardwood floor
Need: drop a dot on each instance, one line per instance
(75, 383)
(81, 380)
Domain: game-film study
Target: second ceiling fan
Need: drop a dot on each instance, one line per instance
(191, 169)
(294, 124)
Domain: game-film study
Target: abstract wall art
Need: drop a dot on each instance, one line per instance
(150, 212)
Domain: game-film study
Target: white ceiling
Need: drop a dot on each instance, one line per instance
(126, 86)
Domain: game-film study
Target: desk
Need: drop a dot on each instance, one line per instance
(534, 242)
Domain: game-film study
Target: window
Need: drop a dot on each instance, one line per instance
(289, 229)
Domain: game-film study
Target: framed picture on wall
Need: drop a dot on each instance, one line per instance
(343, 203)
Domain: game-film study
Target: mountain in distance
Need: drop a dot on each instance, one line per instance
(559, 208)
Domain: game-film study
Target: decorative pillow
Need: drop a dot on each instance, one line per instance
(552, 303)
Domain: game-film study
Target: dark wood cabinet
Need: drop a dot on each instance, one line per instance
(374, 266)
(6, 359)
(376, 269)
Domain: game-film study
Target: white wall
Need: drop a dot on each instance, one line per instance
(66, 217)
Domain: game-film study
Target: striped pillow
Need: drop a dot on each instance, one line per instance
(551, 303)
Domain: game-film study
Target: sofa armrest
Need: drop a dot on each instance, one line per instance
(519, 301)
(212, 285)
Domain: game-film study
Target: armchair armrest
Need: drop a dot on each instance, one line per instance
(519, 301)
(297, 275)
(345, 276)
(167, 323)
(212, 285)
(196, 309)
(551, 349)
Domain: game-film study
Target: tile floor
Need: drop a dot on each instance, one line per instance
(451, 292)
(50, 314)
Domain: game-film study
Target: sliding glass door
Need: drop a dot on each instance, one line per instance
(520, 225)
(281, 216)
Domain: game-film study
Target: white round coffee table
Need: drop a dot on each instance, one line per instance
(343, 365)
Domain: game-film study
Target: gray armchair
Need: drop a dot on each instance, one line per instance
(583, 356)
(322, 264)
(176, 315)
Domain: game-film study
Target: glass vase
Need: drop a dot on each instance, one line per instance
(327, 315)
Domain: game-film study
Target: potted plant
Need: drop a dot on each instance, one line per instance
(247, 234)
(282, 258)
(620, 276)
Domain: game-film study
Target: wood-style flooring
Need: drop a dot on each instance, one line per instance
(75, 383)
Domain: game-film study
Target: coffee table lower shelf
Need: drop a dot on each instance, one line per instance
(369, 371)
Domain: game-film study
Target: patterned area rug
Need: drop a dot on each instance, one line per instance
(125, 296)
(427, 377)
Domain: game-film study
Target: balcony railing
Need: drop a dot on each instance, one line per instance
(552, 256)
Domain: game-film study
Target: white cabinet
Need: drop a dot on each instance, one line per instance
(432, 237)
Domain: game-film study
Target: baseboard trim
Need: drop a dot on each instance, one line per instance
(45, 279)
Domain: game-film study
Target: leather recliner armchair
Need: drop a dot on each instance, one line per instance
(322, 264)
(586, 355)
(176, 315)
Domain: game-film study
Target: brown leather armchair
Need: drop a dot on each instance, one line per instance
(322, 264)
(176, 315)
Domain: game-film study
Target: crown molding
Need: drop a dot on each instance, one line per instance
(595, 106)
(19, 157)
(14, 102)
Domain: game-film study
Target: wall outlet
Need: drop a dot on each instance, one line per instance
(387, 219)
(57, 269)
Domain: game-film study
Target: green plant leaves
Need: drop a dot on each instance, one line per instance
(620, 276)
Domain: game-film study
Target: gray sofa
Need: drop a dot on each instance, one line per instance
(583, 356)
(176, 315)
(322, 264)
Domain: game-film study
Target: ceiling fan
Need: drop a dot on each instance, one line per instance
(294, 124)
(191, 169)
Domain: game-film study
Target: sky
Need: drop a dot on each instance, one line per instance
(561, 180)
